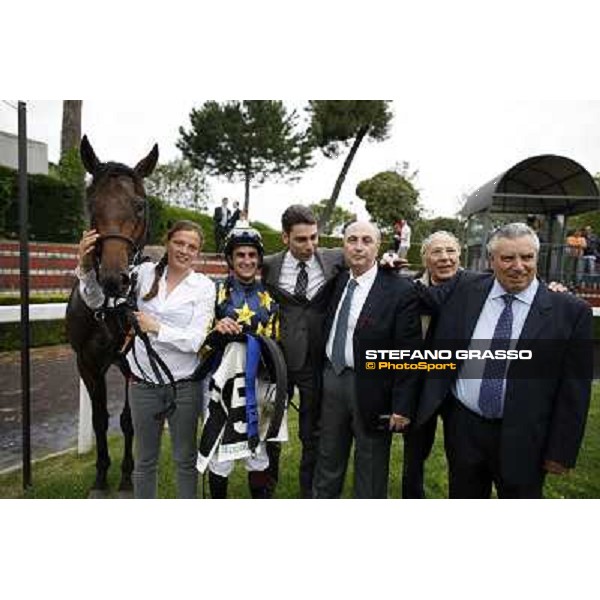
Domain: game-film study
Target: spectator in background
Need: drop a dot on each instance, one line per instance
(242, 220)
(221, 218)
(235, 215)
(401, 237)
(576, 245)
(590, 252)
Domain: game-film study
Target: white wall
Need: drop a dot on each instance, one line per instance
(37, 154)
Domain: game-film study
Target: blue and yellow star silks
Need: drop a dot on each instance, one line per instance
(250, 305)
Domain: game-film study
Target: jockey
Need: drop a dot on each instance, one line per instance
(247, 388)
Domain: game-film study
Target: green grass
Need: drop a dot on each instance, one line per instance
(70, 476)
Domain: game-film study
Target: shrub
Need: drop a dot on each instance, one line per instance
(55, 208)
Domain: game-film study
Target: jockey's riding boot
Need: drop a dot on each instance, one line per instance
(217, 485)
(273, 452)
(258, 482)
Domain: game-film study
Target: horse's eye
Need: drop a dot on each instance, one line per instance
(140, 206)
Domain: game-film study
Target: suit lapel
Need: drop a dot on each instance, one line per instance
(372, 302)
(539, 312)
(340, 284)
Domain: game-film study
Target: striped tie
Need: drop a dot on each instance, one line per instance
(301, 281)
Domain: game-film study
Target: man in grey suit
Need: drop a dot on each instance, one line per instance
(298, 278)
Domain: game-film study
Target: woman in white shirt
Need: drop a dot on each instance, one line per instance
(175, 309)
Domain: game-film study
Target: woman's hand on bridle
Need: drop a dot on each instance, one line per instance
(87, 245)
(147, 323)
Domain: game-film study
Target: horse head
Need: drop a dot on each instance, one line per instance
(118, 210)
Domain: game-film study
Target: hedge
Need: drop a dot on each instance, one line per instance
(55, 208)
(43, 333)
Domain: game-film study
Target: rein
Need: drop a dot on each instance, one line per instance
(126, 309)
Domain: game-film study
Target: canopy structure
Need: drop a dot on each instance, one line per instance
(545, 184)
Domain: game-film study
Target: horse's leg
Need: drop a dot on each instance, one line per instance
(95, 383)
(127, 429)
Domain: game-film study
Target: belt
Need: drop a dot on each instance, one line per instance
(152, 384)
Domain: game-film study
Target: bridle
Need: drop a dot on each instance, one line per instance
(135, 247)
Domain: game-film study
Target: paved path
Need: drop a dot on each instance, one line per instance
(54, 402)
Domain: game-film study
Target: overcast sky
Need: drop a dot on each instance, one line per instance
(456, 146)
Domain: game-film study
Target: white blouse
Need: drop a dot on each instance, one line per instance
(185, 316)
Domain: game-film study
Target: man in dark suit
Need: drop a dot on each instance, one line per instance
(367, 304)
(501, 429)
(298, 279)
(221, 218)
(440, 254)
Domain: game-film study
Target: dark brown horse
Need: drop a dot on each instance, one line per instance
(118, 210)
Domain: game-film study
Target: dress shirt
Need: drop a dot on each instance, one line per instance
(290, 270)
(185, 316)
(468, 383)
(365, 283)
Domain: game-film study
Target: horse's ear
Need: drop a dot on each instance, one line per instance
(146, 165)
(88, 156)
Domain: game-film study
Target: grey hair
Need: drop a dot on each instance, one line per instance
(370, 223)
(429, 239)
(513, 231)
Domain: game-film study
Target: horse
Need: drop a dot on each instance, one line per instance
(118, 210)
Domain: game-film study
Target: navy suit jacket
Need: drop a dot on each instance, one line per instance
(390, 313)
(544, 419)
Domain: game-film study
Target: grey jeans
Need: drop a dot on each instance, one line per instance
(146, 401)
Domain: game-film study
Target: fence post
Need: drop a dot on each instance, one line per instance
(85, 439)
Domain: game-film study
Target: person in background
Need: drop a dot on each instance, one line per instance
(590, 252)
(235, 215)
(221, 218)
(575, 247)
(175, 308)
(402, 234)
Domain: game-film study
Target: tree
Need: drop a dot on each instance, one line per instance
(70, 133)
(339, 217)
(390, 195)
(249, 141)
(336, 123)
(70, 168)
(179, 184)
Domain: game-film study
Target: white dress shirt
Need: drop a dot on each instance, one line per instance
(290, 270)
(468, 383)
(185, 316)
(365, 283)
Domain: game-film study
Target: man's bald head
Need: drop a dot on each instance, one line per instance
(361, 245)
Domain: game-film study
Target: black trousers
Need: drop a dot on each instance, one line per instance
(309, 413)
(417, 448)
(473, 452)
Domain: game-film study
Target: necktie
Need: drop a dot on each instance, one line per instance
(338, 351)
(301, 281)
(490, 393)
